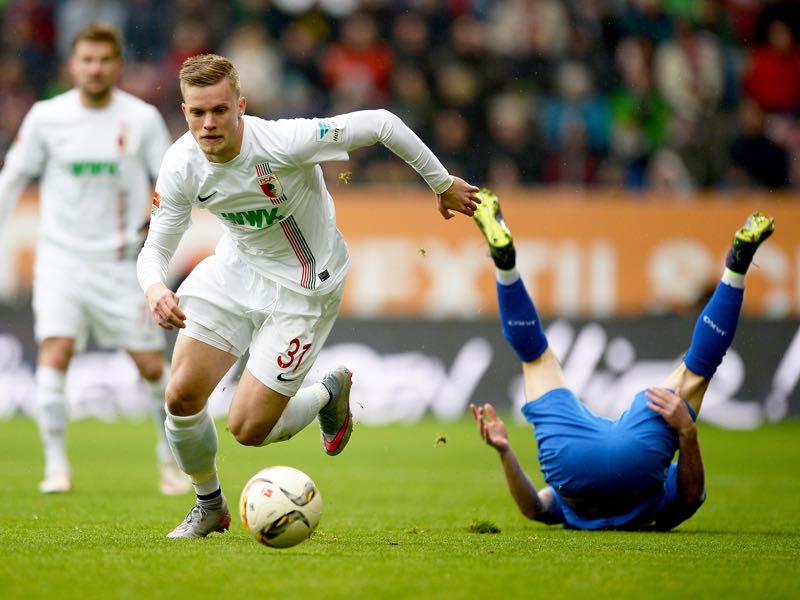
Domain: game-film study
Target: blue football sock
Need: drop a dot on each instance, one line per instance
(521, 325)
(714, 330)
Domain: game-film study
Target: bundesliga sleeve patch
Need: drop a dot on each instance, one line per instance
(328, 131)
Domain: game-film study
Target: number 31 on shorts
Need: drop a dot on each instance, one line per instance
(291, 356)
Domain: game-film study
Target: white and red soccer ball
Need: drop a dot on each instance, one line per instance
(280, 506)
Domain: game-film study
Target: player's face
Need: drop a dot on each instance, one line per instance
(214, 115)
(94, 67)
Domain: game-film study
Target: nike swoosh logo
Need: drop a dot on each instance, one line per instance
(204, 198)
(332, 445)
(282, 378)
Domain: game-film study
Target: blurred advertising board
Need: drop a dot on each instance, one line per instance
(584, 255)
(405, 369)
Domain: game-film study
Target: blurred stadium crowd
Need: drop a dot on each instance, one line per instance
(665, 95)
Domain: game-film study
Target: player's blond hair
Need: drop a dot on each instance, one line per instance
(99, 32)
(204, 70)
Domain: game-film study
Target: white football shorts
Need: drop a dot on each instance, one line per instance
(74, 297)
(283, 329)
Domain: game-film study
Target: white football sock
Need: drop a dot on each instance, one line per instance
(733, 279)
(157, 390)
(506, 277)
(302, 408)
(194, 444)
(51, 416)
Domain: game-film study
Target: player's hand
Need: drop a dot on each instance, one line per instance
(459, 197)
(164, 307)
(671, 406)
(490, 426)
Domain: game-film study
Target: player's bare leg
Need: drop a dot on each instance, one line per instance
(542, 375)
(259, 415)
(254, 411)
(692, 386)
(51, 412)
(197, 368)
(716, 325)
(154, 371)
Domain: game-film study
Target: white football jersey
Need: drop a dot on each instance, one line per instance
(271, 199)
(96, 168)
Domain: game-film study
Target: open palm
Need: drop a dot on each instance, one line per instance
(491, 427)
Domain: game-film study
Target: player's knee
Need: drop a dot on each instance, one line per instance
(149, 364)
(248, 432)
(182, 401)
(151, 370)
(55, 353)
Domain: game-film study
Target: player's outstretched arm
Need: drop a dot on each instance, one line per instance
(691, 474)
(367, 127)
(534, 505)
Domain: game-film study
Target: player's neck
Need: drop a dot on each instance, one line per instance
(95, 101)
(223, 157)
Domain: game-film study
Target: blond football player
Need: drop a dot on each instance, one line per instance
(274, 284)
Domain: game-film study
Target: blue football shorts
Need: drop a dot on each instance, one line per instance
(584, 455)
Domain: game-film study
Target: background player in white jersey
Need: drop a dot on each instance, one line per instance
(276, 279)
(97, 150)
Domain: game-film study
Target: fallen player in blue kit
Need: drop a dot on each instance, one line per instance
(603, 473)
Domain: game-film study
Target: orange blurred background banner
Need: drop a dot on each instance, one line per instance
(582, 254)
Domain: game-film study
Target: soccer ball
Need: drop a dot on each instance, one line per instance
(280, 506)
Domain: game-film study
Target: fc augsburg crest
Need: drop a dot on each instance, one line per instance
(269, 182)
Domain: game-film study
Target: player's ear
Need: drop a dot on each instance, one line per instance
(242, 105)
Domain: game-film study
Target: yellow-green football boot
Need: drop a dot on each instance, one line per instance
(494, 229)
(757, 228)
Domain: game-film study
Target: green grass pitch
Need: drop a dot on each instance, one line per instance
(399, 503)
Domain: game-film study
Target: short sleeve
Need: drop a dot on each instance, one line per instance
(28, 153)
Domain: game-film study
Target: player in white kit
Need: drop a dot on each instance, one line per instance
(275, 282)
(96, 150)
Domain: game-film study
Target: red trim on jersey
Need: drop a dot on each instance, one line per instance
(121, 224)
(305, 263)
